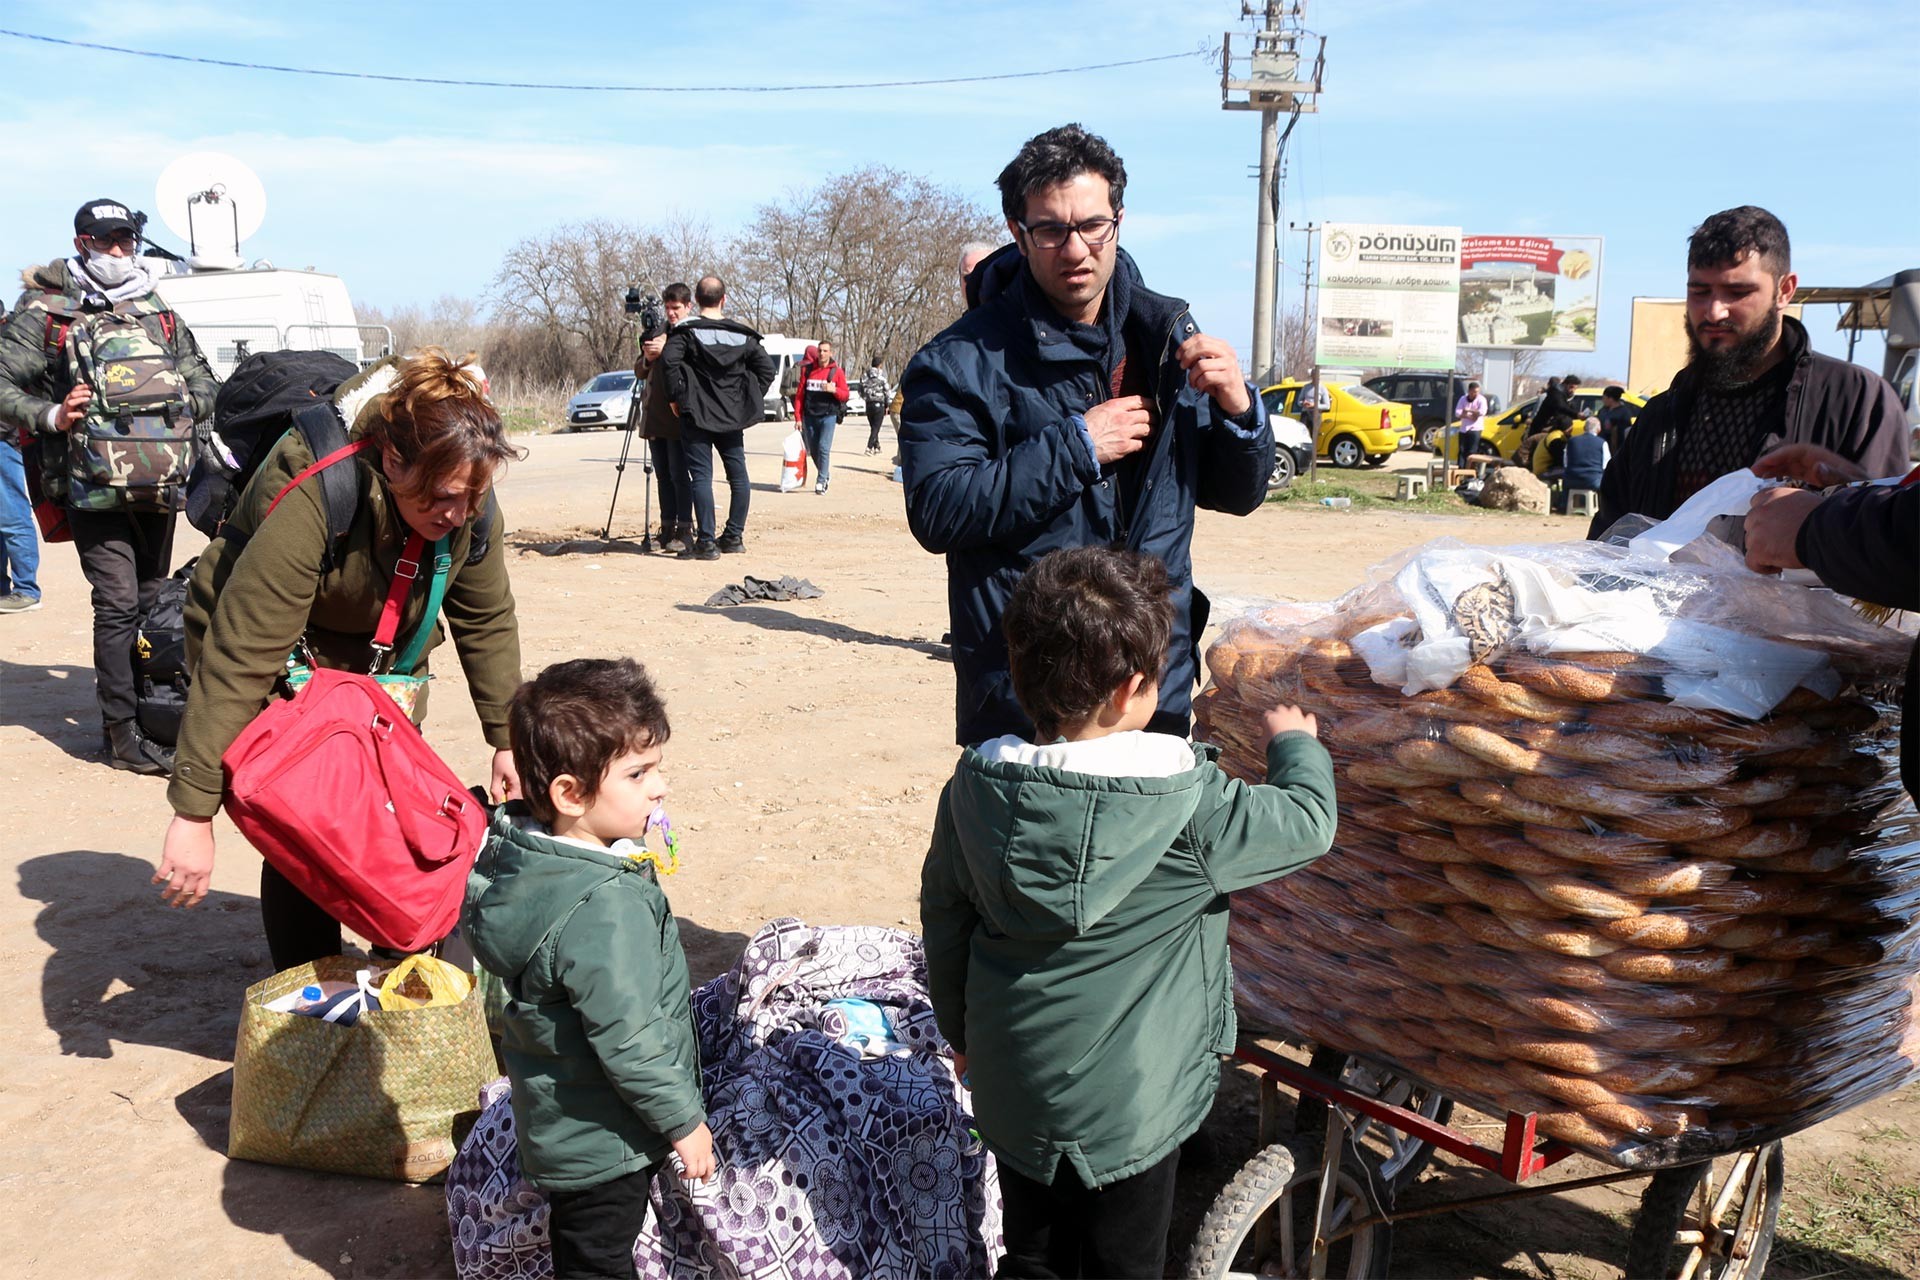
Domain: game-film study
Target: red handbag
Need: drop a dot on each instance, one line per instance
(340, 792)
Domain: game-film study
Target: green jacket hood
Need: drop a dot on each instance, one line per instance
(520, 874)
(1053, 851)
(53, 275)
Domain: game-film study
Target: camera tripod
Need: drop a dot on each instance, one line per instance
(646, 484)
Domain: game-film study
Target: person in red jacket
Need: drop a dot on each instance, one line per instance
(822, 403)
(808, 359)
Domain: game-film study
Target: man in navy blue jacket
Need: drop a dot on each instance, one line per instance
(1071, 406)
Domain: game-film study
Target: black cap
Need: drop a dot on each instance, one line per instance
(102, 217)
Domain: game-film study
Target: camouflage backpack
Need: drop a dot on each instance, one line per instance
(132, 448)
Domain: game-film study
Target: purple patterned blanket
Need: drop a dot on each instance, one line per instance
(832, 1163)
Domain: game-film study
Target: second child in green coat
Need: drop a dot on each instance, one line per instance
(564, 907)
(1074, 902)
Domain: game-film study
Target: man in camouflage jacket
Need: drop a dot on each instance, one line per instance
(119, 477)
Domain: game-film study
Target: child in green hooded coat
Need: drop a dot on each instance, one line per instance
(1074, 902)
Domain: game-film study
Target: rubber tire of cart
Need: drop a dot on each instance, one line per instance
(1272, 1173)
(1664, 1205)
(1310, 1121)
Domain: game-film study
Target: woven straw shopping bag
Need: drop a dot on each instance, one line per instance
(388, 1097)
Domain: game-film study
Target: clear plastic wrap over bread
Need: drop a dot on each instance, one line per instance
(1621, 843)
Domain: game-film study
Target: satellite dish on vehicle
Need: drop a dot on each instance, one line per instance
(212, 201)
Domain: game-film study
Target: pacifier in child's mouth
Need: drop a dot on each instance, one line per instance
(666, 859)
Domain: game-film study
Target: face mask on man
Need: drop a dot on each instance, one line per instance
(109, 270)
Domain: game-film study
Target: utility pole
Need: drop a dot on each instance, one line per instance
(1267, 76)
(1309, 402)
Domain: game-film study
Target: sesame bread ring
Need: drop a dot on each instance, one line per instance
(1672, 771)
(1857, 769)
(1764, 788)
(1482, 1010)
(1640, 965)
(1510, 853)
(1749, 932)
(1735, 1089)
(1602, 850)
(1377, 817)
(1506, 895)
(1655, 717)
(1431, 757)
(1433, 849)
(1562, 937)
(1855, 954)
(1322, 682)
(1760, 840)
(1647, 1122)
(1596, 746)
(1493, 797)
(1565, 973)
(1442, 804)
(1682, 824)
(1431, 963)
(1580, 1091)
(1657, 1077)
(1669, 1035)
(1805, 941)
(1761, 895)
(1825, 801)
(1761, 737)
(1756, 975)
(1484, 744)
(1421, 926)
(1562, 1054)
(1817, 859)
(1740, 1043)
(1511, 699)
(1483, 927)
(1377, 729)
(1818, 754)
(1417, 888)
(1576, 682)
(1665, 932)
(1847, 715)
(1588, 796)
(1385, 775)
(1576, 1130)
(1559, 1013)
(1674, 879)
(1582, 897)
(1494, 970)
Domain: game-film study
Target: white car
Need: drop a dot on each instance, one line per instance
(1292, 450)
(604, 402)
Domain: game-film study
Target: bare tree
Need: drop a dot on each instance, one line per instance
(866, 259)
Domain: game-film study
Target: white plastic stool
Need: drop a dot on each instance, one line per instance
(1582, 502)
(1409, 487)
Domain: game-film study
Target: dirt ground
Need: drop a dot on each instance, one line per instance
(810, 742)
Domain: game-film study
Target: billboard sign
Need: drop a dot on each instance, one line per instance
(1389, 295)
(1540, 292)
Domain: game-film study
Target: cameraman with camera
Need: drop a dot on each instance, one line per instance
(659, 426)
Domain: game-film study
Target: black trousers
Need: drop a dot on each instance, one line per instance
(1068, 1229)
(701, 445)
(876, 414)
(593, 1231)
(670, 473)
(126, 556)
(297, 929)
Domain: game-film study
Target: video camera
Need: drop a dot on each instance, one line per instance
(653, 316)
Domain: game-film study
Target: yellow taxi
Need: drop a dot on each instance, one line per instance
(1357, 426)
(1503, 432)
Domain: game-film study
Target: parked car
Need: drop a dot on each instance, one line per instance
(1292, 443)
(1427, 394)
(1357, 427)
(604, 402)
(1503, 432)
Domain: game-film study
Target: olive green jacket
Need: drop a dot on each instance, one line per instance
(1076, 936)
(598, 1033)
(246, 611)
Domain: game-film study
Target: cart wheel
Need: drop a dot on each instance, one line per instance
(1260, 1223)
(1711, 1221)
(1407, 1156)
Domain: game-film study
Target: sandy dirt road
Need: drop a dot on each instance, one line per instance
(810, 742)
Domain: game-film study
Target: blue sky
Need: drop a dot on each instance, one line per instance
(1631, 119)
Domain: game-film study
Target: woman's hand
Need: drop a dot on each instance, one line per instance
(186, 861)
(504, 785)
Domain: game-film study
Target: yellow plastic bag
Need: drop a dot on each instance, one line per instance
(444, 983)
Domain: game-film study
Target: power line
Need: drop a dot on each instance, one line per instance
(593, 88)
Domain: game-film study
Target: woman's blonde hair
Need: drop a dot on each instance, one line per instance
(437, 421)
